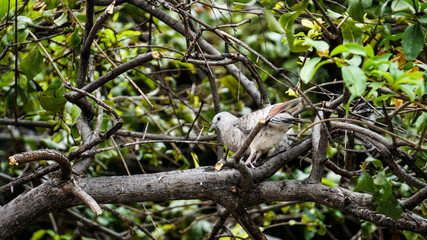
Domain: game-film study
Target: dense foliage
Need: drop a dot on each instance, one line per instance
(130, 89)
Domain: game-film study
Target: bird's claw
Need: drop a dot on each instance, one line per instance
(249, 164)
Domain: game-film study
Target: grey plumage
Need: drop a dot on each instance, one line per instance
(234, 131)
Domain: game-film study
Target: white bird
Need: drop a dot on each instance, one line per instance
(234, 131)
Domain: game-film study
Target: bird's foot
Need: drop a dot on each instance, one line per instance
(249, 164)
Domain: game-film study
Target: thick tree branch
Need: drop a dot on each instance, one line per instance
(201, 183)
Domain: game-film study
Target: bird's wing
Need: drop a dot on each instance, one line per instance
(285, 118)
(247, 122)
(279, 108)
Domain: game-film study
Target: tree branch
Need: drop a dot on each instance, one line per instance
(46, 154)
(141, 59)
(179, 27)
(201, 183)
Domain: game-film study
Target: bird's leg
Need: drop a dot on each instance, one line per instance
(286, 143)
(249, 160)
(254, 155)
(258, 155)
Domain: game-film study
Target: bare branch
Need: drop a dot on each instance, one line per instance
(77, 191)
(46, 154)
(319, 150)
(415, 199)
(129, 221)
(141, 59)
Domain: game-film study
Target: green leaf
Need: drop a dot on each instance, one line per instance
(383, 197)
(3, 9)
(287, 22)
(413, 41)
(351, 33)
(32, 64)
(377, 163)
(74, 39)
(23, 22)
(369, 51)
(268, 4)
(52, 98)
(366, 3)
(299, 7)
(409, 90)
(317, 44)
(61, 19)
(412, 236)
(105, 121)
(356, 60)
(307, 71)
(52, 4)
(350, 48)
(384, 8)
(354, 79)
(364, 183)
(310, 68)
(75, 114)
(38, 234)
(195, 160)
(272, 23)
(355, 10)
(71, 3)
(401, 6)
(390, 207)
(333, 15)
(382, 185)
(374, 86)
(367, 229)
(379, 100)
(423, 19)
(421, 122)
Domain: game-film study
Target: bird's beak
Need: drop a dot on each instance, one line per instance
(213, 126)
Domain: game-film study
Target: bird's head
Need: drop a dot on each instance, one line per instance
(220, 119)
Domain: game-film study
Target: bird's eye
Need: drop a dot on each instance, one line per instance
(219, 118)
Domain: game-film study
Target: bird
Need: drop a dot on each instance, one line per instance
(234, 130)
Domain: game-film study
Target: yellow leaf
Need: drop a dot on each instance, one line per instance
(195, 160)
(307, 23)
(292, 93)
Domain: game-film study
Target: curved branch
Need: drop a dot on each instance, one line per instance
(46, 154)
